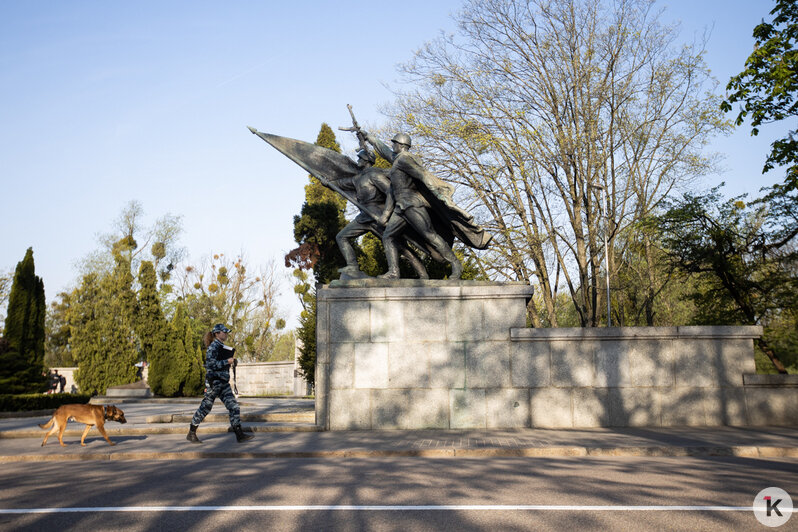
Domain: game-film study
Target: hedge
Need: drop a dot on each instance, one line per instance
(40, 401)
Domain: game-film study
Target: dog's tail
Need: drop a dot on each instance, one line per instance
(48, 424)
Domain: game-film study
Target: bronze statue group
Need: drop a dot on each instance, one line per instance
(409, 208)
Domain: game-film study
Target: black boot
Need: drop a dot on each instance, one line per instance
(192, 434)
(241, 436)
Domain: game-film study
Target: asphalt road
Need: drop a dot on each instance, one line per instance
(402, 494)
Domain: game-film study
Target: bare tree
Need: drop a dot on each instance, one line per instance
(537, 106)
(158, 243)
(221, 289)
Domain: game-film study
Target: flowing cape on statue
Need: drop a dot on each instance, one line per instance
(448, 219)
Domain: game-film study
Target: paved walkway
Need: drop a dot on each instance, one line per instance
(284, 428)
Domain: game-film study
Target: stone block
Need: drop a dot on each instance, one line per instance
(410, 409)
(683, 406)
(695, 362)
(342, 366)
(772, 405)
(735, 358)
(350, 410)
(350, 321)
(424, 320)
(530, 364)
(612, 364)
(590, 407)
(323, 393)
(322, 332)
(572, 364)
(464, 320)
(507, 408)
(446, 363)
(634, 407)
(725, 406)
(551, 408)
(467, 409)
(387, 322)
(501, 315)
(651, 362)
(488, 365)
(408, 365)
(419, 293)
(371, 365)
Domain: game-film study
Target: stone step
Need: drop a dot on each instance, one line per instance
(307, 416)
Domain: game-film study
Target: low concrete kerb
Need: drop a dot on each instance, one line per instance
(529, 452)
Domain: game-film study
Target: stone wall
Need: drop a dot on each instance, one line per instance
(269, 378)
(644, 376)
(252, 378)
(427, 354)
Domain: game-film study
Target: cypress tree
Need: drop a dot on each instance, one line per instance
(152, 328)
(321, 218)
(84, 335)
(22, 367)
(150, 321)
(107, 350)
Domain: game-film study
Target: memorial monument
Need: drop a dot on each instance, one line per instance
(450, 354)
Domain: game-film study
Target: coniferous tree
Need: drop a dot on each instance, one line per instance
(22, 367)
(321, 218)
(108, 357)
(84, 334)
(150, 322)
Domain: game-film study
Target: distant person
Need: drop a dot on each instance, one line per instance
(218, 360)
(62, 383)
(55, 380)
(140, 365)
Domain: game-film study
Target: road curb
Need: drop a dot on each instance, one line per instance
(529, 452)
(164, 429)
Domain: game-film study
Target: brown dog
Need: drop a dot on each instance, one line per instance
(88, 414)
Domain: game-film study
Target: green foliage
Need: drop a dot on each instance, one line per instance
(22, 367)
(227, 291)
(744, 277)
(56, 346)
(5, 287)
(306, 332)
(315, 229)
(284, 348)
(39, 401)
(102, 327)
(177, 370)
(768, 85)
(150, 322)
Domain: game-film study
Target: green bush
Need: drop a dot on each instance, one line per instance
(40, 401)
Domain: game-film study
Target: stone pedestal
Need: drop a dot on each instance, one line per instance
(413, 354)
(435, 354)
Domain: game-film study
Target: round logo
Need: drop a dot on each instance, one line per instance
(772, 507)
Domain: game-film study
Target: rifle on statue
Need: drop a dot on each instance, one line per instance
(361, 138)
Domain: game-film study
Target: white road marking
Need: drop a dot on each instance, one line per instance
(382, 508)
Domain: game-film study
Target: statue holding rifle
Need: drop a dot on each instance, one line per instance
(423, 220)
(422, 203)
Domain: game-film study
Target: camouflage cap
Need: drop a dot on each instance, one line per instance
(219, 327)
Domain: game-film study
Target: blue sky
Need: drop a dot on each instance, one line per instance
(102, 103)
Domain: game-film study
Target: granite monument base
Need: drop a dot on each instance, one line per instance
(456, 355)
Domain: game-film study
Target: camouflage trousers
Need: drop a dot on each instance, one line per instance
(223, 391)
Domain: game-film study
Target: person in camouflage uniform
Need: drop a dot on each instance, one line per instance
(218, 360)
